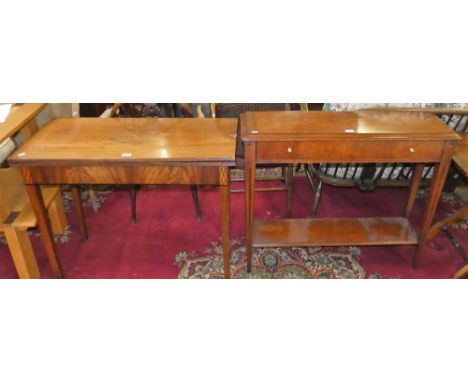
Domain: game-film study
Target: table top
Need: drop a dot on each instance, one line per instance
(339, 126)
(86, 141)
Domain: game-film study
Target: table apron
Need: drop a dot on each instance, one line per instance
(203, 175)
(350, 151)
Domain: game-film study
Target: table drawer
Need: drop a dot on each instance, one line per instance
(206, 175)
(350, 151)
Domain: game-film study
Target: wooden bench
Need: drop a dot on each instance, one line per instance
(16, 214)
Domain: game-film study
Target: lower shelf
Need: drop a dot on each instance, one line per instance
(333, 232)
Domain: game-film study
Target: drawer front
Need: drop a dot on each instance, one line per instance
(343, 152)
(123, 175)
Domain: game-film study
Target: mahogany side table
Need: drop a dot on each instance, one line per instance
(127, 151)
(345, 137)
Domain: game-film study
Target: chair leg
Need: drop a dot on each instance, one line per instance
(133, 192)
(317, 196)
(93, 199)
(316, 188)
(462, 273)
(58, 220)
(22, 252)
(196, 203)
(289, 180)
(76, 197)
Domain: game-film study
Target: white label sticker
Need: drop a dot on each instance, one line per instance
(126, 155)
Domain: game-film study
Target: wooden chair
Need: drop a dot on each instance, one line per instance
(16, 214)
(233, 110)
(462, 273)
(460, 160)
(369, 176)
(121, 110)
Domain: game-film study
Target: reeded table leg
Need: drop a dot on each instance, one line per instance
(249, 200)
(225, 219)
(43, 222)
(437, 183)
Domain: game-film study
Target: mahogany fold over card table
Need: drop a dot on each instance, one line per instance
(127, 151)
(345, 137)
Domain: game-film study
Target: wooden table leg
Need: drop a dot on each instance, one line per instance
(76, 196)
(133, 195)
(437, 183)
(43, 222)
(289, 180)
(196, 203)
(58, 220)
(415, 182)
(224, 190)
(249, 175)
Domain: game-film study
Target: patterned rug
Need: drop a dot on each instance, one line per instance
(186, 248)
(275, 263)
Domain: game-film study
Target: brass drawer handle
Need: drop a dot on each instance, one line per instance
(411, 150)
(289, 150)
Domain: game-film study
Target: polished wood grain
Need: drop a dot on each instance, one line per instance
(37, 203)
(26, 218)
(333, 232)
(21, 252)
(344, 126)
(121, 174)
(348, 137)
(69, 141)
(16, 212)
(18, 118)
(56, 210)
(225, 219)
(460, 157)
(409, 151)
(249, 176)
(127, 151)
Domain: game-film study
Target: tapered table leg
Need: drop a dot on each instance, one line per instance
(76, 196)
(225, 220)
(249, 177)
(133, 195)
(415, 182)
(196, 203)
(289, 181)
(43, 222)
(437, 183)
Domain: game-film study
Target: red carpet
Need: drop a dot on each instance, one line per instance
(167, 228)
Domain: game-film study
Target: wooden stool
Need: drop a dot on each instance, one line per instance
(17, 216)
(16, 213)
